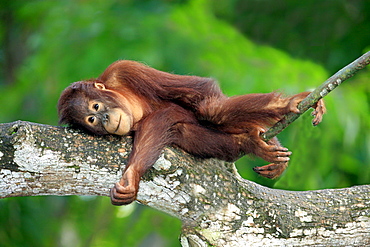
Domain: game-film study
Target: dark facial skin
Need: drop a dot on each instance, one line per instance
(112, 120)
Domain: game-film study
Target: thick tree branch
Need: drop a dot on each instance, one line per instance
(320, 92)
(216, 205)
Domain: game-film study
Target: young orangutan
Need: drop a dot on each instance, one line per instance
(190, 112)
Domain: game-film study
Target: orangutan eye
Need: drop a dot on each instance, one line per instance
(91, 120)
(96, 107)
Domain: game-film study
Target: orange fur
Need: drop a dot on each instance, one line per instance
(187, 111)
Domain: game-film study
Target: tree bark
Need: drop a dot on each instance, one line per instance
(217, 206)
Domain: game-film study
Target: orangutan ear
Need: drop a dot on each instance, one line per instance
(100, 86)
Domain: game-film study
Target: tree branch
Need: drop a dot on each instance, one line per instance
(217, 207)
(320, 92)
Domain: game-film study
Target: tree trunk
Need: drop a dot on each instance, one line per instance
(217, 207)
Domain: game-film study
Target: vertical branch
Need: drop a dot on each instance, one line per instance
(320, 92)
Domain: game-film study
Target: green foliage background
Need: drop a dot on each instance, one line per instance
(248, 46)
